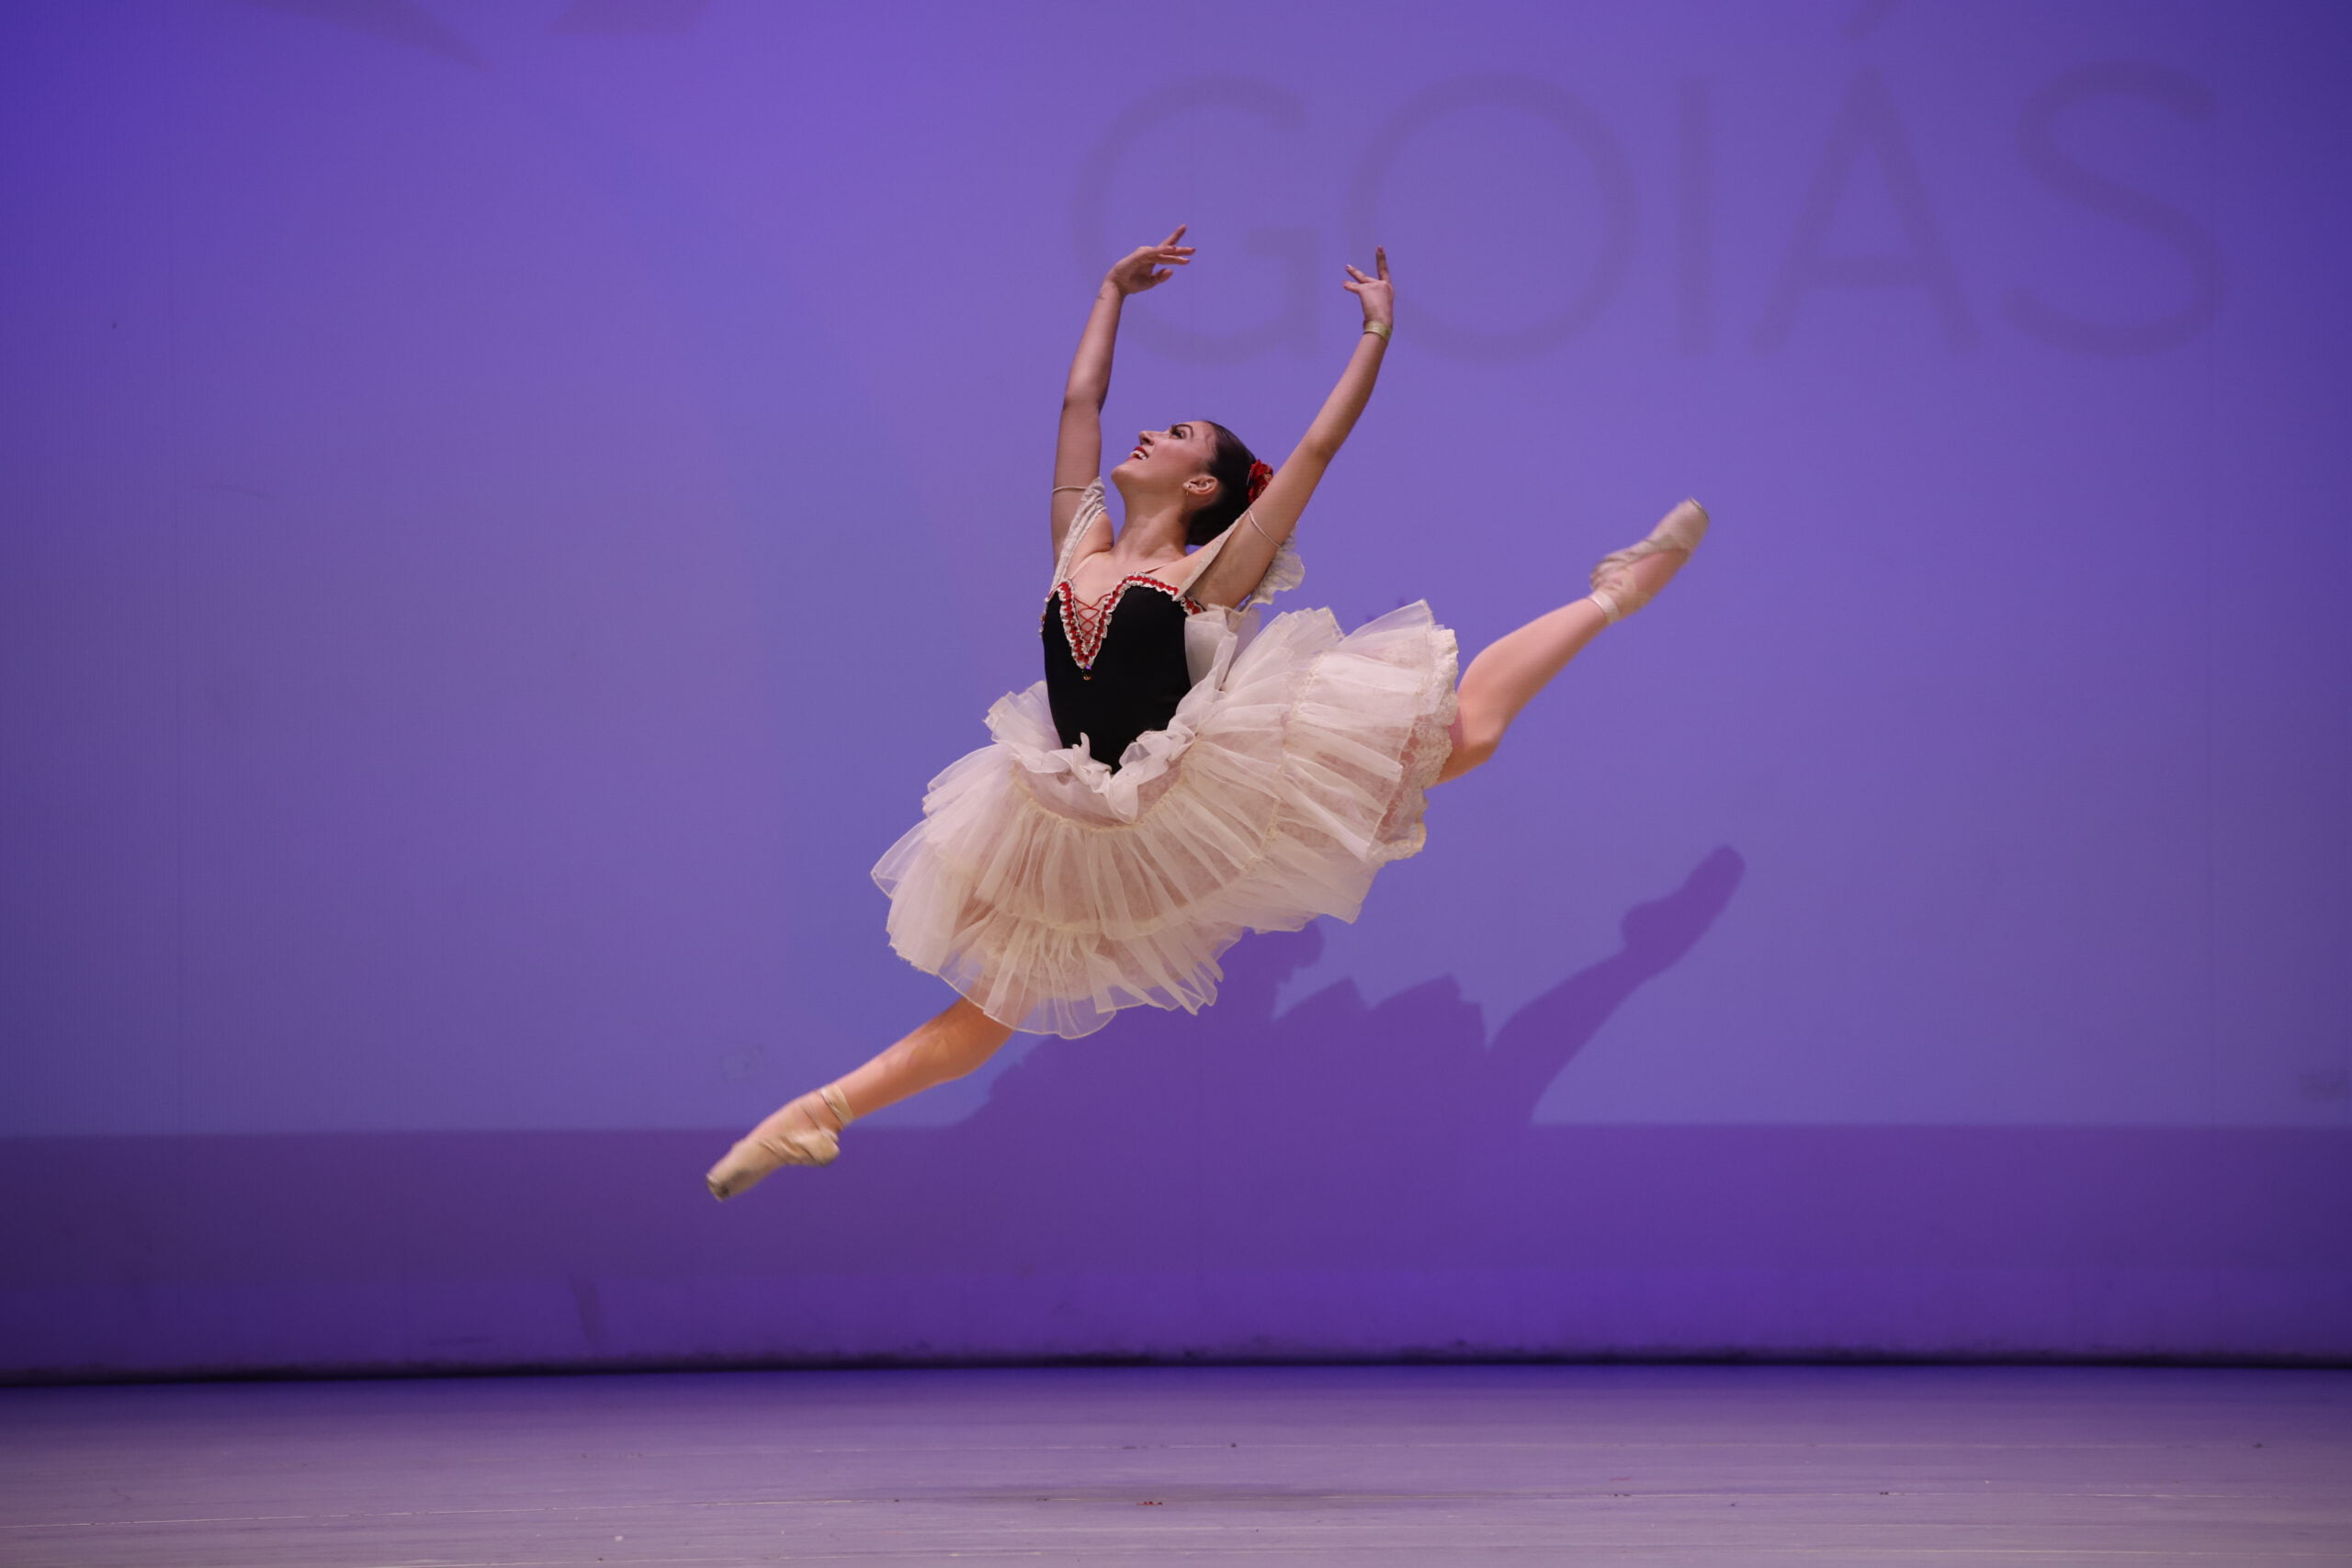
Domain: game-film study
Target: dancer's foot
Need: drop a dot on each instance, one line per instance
(1625, 579)
(805, 1132)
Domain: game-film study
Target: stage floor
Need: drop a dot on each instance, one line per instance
(1723, 1466)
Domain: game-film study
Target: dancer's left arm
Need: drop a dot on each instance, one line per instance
(1260, 532)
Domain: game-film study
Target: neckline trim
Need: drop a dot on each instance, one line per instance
(1086, 624)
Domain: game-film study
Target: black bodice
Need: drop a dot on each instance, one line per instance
(1115, 669)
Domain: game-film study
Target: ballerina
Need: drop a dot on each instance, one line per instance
(1187, 771)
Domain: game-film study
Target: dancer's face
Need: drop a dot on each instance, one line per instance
(1174, 460)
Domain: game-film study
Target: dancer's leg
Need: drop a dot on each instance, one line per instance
(1509, 671)
(802, 1130)
(957, 1042)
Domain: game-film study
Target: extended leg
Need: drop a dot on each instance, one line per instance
(956, 1043)
(1510, 670)
(1507, 673)
(805, 1131)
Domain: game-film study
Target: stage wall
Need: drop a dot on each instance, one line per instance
(503, 508)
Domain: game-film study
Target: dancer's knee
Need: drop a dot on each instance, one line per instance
(965, 1039)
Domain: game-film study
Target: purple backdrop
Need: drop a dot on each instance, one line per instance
(505, 507)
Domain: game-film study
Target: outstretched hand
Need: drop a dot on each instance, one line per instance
(1148, 266)
(1379, 296)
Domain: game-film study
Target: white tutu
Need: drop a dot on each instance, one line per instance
(1053, 891)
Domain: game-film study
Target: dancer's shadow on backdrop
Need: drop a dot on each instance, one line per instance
(1236, 1180)
(1335, 1131)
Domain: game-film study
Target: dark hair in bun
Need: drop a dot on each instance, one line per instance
(1230, 468)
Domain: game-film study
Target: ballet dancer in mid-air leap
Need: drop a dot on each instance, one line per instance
(1183, 773)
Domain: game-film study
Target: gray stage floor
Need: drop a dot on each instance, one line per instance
(1442, 1466)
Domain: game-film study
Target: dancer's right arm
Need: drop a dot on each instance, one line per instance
(1078, 455)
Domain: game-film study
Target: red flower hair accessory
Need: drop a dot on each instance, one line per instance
(1259, 476)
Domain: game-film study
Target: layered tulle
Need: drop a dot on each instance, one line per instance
(1053, 891)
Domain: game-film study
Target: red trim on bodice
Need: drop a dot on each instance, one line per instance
(1086, 624)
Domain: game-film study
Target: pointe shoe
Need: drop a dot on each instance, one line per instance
(758, 1152)
(1612, 585)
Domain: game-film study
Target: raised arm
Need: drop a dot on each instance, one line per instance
(1078, 453)
(1259, 532)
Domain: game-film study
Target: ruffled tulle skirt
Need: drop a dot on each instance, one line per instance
(1053, 891)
